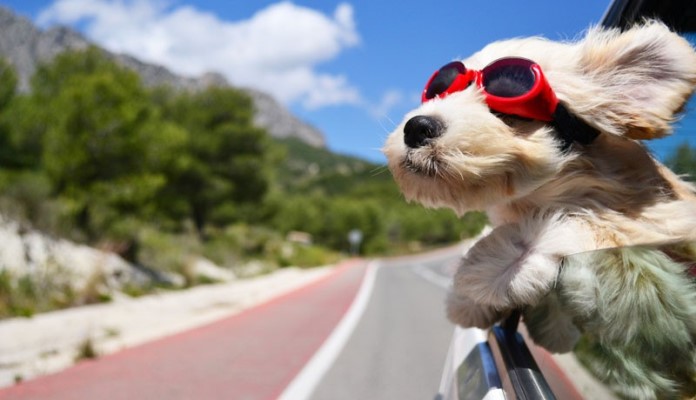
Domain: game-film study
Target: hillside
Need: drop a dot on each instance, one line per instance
(309, 169)
(26, 46)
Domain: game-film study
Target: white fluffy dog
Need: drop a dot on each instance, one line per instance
(563, 181)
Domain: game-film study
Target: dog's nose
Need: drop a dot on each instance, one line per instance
(421, 129)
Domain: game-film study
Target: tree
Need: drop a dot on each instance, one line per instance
(683, 161)
(106, 150)
(8, 85)
(22, 130)
(230, 162)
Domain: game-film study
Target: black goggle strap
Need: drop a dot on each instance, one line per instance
(571, 128)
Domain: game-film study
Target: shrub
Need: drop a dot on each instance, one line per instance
(306, 256)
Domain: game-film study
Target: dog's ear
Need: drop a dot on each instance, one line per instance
(643, 76)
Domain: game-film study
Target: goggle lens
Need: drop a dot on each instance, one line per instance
(509, 77)
(443, 79)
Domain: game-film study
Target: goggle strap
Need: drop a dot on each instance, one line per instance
(571, 129)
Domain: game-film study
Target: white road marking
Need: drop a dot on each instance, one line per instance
(307, 380)
(432, 276)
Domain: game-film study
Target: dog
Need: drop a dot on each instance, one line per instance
(547, 138)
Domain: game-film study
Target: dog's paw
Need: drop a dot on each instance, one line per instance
(517, 264)
(504, 270)
(466, 313)
(550, 326)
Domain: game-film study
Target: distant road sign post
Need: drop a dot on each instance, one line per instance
(355, 237)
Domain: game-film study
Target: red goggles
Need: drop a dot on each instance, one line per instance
(511, 85)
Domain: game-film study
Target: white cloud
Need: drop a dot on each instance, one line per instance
(390, 99)
(276, 50)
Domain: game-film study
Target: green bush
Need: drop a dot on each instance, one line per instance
(240, 242)
(304, 256)
(26, 295)
(168, 252)
(27, 197)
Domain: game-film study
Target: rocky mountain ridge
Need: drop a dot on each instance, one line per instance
(25, 46)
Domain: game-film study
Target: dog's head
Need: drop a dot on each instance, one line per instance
(461, 150)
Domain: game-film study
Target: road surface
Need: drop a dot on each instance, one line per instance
(396, 349)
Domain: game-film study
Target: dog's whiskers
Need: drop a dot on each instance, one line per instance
(422, 165)
(384, 128)
(379, 170)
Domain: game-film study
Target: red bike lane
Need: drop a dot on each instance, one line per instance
(252, 355)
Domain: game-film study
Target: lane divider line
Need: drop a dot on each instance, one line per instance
(309, 377)
(432, 276)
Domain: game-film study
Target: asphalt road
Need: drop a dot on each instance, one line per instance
(398, 348)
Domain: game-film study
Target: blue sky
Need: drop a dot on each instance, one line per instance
(350, 68)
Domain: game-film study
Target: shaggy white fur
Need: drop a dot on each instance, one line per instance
(517, 263)
(546, 204)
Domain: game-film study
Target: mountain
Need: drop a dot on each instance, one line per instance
(309, 169)
(25, 46)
